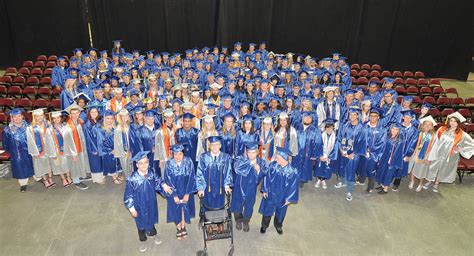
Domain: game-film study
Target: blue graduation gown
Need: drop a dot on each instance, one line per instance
(391, 114)
(246, 181)
(375, 137)
(66, 99)
(242, 138)
(183, 182)
(106, 146)
(140, 193)
(352, 139)
(58, 76)
(309, 147)
(189, 137)
(14, 142)
(410, 136)
(228, 144)
(392, 149)
(281, 184)
(212, 177)
(134, 139)
(323, 169)
(91, 132)
(147, 142)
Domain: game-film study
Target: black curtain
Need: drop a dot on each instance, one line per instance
(433, 36)
(41, 27)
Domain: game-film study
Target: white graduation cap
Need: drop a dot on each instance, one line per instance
(81, 94)
(428, 119)
(152, 76)
(215, 86)
(267, 120)
(118, 90)
(168, 113)
(458, 116)
(195, 93)
(56, 114)
(136, 81)
(38, 111)
(283, 115)
(73, 106)
(168, 80)
(208, 118)
(184, 85)
(329, 88)
(123, 112)
(187, 105)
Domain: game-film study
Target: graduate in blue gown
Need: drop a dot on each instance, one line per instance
(146, 135)
(279, 188)
(213, 176)
(375, 136)
(133, 138)
(179, 174)
(352, 145)
(92, 128)
(392, 158)
(328, 159)
(105, 139)
(390, 108)
(410, 135)
(188, 135)
(245, 135)
(249, 171)
(14, 142)
(59, 73)
(140, 198)
(309, 147)
(229, 135)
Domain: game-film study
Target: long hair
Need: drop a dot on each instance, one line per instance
(457, 121)
(97, 120)
(252, 130)
(287, 128)
(121, 125)
(231, 131)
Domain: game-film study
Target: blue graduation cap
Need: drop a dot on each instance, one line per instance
(350, 91)
(61, 58)
(134, 92)
(82, 96)
(238, 44)
(297, 83)
(140, 155)
(214, 139)
(178, 147)
(84, 73)
(103, 52)
(189, 51)
(109, 112)
(151, 52)
(354, 109)
(94, 105)
(165, 54)
(427, 105)
(77, 50)
(16, 111)
(396, 124)
(408, 112)
(125, 73)
(226, 96)
(137, 109)
(177, 100)
(92, 49)
(117, 42)
(251, 145)
(211, 106)
(330, 121)
(150, 113)
(283, 152)
(229, 115)
(378, 111)
(307, 113)
(389, 80)
(390, 91)
(187, 116)
(374, 83)
(247, 118)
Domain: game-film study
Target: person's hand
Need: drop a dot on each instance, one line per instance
(265, 195)
(134, 214)
(427, 162)
(201, 193)
(323, 159)
(74, 158)
(186, 198)
(456, 149)
(286, 203)
(176, 200)
(256, 166)
(351, 156)
(167, 188)
(162, 162)
(228, 190)
(406, 159)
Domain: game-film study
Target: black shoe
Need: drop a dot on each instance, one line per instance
(279, 230)
(379, 188)
(263, 230)
(368, 191)
(87, 178)
(382, 192)
(246, 227)
(395, 188)
(23, 188)
(238, 225)
(81, 186)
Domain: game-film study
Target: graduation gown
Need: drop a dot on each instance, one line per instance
(140, 194)
(241, 139)
(106, 146)
(165, 137)
(134, 139)
(91, 132)
(330, 150)
(391, 114)
(202, 145)
(391, 160)
(212, 176)
(122, 149)
(40, 148)
(375, 137)
(417, 164)
(229, 144)
(67, 98)
(190, 138)
(309, 148)
(410, 136)
(182, 180)
(444, 160)
(290, 142)
(147, 142)
(351, 139)
(75, 146)
(15, 143)
(266, 147)
(58, 160)
(245, 185)
(281, 184)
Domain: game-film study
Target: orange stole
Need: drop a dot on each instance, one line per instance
(75, 135)
(113, 104)
(41, 138)
(457, 137)
(419, 141)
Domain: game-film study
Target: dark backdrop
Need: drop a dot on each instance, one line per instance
(434, 36)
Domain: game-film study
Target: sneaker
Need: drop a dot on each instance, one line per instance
(23, 188)
(238, 225)
(410, 186)
(436, 188)
(427, 185)
(395, 189)
(318, 183)
(368, 191)
(157, 240)
(81, 186)
(379, 188)
(359, 183)
(323, 183)
(349, 197)
(339, 185)
(87, 178)
(142, 246)
(263, 230)
(246, 227)
(382, 192)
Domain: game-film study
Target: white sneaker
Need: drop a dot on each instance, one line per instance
(318, 183)
(339, 185)
(157, 239)
(359, 184)
(427, 185)
(349, 197)
(324, 184)
(142, 246)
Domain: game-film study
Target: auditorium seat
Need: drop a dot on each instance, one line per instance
(7, 103)
(466, 113)
(27, 64)
(457, 101)
(419, 74)
(23, 103)
(364, 73)
(14, 91)
(39, 64)
(44, 92)
(32, 81)
(397, 73)
(468, 167)
(362, 80)
(29, 92)
(408, 74)
(470, 128)
(374, 73)
(36, 72)
(451, 90)
(3, 90)
(56, 104)
(423, 82)
(3, 119)
(413, 90)
(446, 112)
(376, 67)
(6, 80)
(50, 64)
(425, 91)
(417, 100)
(430, 100)
(411, 81)
(374, 79)
(386, 73)
(435, 82)
(438, 91)
(52, 58)
(41, 58)
(19, 81)
(48, 72)
(443, 101)
(399, 81)
(41, 103)
(435, 113)
(355, 66)
(11, 71)
(365, 67)
(400, 90)
(24, 71)
(45, 81)
(354, 73)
